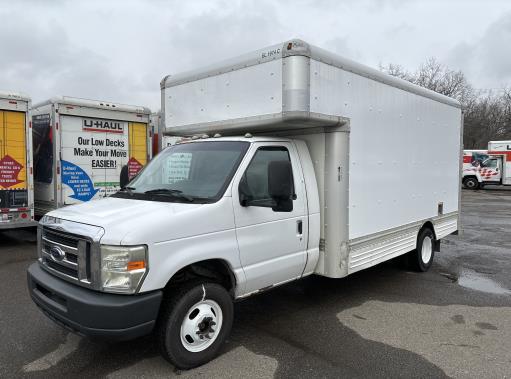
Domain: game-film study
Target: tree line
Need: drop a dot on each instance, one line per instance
(487, 114)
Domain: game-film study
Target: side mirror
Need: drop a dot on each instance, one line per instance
(124, 177)
(244, 192)
(280, 185)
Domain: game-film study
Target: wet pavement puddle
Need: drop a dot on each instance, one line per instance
(475, 281)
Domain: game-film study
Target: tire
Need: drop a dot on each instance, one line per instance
(199, 307)
(421, 258)
(471, 183)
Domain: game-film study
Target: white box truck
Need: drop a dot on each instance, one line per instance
(492, 166)
(325, 167)
(81, 146)
(16, 186)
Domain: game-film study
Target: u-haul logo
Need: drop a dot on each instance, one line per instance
(99, 125)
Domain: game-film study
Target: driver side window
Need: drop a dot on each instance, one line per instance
(254, 183)
(491, 163)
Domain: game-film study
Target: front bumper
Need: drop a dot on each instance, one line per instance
(92, 313)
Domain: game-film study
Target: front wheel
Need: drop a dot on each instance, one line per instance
(194, 323)
(421, 258)
(471, 183)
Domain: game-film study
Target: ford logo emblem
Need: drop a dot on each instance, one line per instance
(57, 253)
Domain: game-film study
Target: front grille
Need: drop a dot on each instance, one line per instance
(61, 268)
(66, 255)
(61, 238)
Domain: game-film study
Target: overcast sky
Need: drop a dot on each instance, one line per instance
(120, 50)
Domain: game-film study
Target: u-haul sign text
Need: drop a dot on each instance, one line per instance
(100, 125)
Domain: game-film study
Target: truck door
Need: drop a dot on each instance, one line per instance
(491, 170)
(272, 244)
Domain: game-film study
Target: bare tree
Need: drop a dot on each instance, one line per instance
(436, 77)
(487, 116)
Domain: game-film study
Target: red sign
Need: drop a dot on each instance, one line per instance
(134, 167)
(9, 170)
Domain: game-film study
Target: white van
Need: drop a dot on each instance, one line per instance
(305, 180)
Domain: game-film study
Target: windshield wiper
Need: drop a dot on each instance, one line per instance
(169, 192)
(129, 190)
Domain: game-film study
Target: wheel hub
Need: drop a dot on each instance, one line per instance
(206, 327)
(427, 249)
(201, 325)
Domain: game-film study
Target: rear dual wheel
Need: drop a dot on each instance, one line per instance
(421, 258)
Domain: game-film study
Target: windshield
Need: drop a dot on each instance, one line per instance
(197, 171)
(479, 157)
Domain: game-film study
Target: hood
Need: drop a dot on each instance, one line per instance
(129, 221)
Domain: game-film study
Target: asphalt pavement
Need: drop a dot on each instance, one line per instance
(453, 321)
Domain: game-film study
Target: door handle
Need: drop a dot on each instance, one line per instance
(299, 227)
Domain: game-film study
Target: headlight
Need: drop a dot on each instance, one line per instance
(123, 268)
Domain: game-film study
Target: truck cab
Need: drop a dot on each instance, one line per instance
(246, 205)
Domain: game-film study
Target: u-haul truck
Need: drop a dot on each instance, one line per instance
(81, 146)
(492, 167)
(16, 187)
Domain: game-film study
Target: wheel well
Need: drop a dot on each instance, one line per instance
(470, 177)
(427, 225)
(216, 270)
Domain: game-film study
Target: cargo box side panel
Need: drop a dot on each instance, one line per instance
(248, 92)
(93, 151)
(404, 149)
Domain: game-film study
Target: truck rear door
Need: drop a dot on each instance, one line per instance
(13, 161)
(272, 244)
(137, 147)
(93, 151)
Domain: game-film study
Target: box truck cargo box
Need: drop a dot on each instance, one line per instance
(16, 187)
(401, 154)
(81, 146)
(325, 167)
